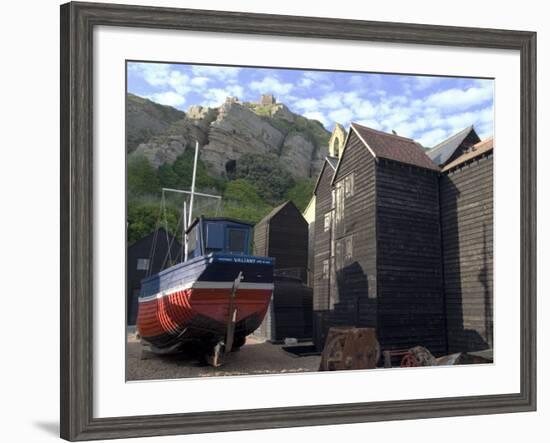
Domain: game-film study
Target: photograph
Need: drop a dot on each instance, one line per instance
(291, 220)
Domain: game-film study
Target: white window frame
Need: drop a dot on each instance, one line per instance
(141, 262)
(349, 182)
(348, 248)
(326, 269)
(328, 221)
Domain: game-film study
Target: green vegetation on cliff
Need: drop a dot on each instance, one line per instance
(258, 184)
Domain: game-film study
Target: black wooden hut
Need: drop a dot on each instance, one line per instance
(378, 243)
(283, 235)
(466, 190)
(324, 208)
(145, 257)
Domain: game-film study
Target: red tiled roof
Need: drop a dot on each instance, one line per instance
(475, 151)
(394, 147)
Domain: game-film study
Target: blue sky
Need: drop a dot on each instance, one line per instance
(427, 109)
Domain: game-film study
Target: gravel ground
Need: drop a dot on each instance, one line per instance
(255, 357)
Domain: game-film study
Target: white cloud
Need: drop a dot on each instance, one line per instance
(224, 73)
(343, 115)
(316, 115)
(421, 83)
(305, 82)
(217, 96)
(370, 123)
(455, 98)
(433, 137)
(411, 127)
(179, 82)
(271, 85)
(320, 80)
(331, 101)
(306, 104)
(161, 75)
(200, 81)
(169, 98)
(461, 120)
(156, 74)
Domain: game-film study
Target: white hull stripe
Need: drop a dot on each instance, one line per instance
(206, 285)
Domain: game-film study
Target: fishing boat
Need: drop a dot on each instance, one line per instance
(216, 296)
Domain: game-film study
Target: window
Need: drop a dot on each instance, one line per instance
(142, 264)
(327, 221)
(339, 202)
(325, 269)
(237, 241)
(349, 184)
(339, 257)
(348, 248)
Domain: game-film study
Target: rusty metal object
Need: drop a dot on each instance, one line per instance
(409, 361)
(413, 357)
(420, 356)
(350, 348)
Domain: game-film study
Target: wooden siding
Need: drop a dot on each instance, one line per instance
(411, 308)
(289, 313)
(284, 236)
(467, 227)
(471, 139)
(321, 286)
(349, 297)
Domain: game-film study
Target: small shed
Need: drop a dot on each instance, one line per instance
(146, 257)
(283, 235)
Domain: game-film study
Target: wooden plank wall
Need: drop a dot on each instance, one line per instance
(349, 297)
(288, 238)
(411, 307)
(283, 237)
(321, 253)
(261, 239)
(467, 227)
(355, 297)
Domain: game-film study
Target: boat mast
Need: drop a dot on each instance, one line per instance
(188, 213)
(184, 234)
(193, 182)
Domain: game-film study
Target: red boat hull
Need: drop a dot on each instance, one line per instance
(198, 313)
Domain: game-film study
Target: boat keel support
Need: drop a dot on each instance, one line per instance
(217, 356)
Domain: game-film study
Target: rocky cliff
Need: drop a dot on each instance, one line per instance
(161, 134)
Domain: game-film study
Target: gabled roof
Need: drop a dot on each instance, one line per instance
(332, 162)
(277, 209)
(391, 147)
(442, 152)
(476, 150)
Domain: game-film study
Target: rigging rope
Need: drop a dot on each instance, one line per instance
(154, 243)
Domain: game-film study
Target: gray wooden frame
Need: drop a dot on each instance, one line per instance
(77, 24)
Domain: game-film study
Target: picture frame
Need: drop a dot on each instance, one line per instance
(77, 216)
